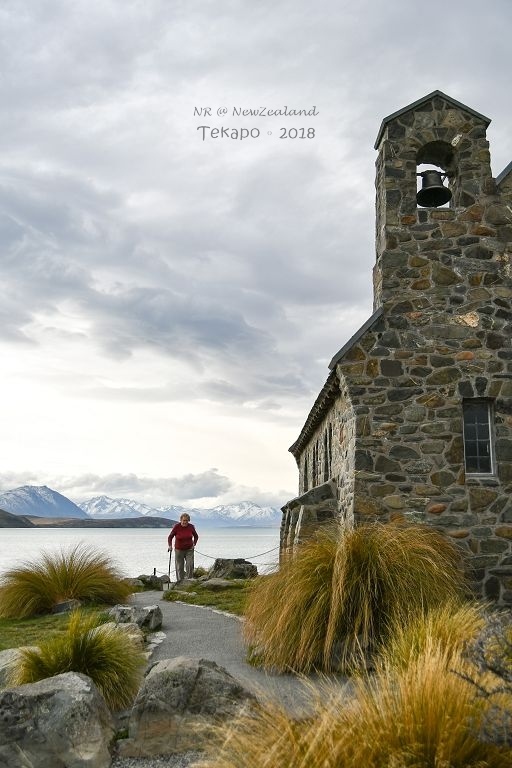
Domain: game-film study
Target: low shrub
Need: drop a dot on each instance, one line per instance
(332, 604)
(83, 574)
(102, 651)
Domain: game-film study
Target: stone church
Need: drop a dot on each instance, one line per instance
(414, 421)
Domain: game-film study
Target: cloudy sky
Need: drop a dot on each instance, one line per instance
(171, 298)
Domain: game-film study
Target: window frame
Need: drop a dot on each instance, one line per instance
(489, 404)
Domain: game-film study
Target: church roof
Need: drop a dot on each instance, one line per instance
(325, 398)
(330, 389)
(503, 175)
(355, 338)
(424, 100)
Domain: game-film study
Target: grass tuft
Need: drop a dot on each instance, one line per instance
(424, 716)
(332, 604)
(101, 651)
(451, 627)
(83, 574)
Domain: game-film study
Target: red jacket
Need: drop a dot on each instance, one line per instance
(185, 535)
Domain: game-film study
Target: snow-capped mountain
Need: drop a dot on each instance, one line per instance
(244, 513)
(105, 508)
(40, 501)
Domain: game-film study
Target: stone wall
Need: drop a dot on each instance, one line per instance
(443, 280)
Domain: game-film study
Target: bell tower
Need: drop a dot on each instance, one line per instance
(422, 248)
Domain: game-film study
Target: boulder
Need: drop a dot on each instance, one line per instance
(8, 662)
(178, 704)
(59, 722)
(216, 585)
(153, 582)
(149, 617)
(232, 569)
(132, 631)
(66, 606)
(122, 614)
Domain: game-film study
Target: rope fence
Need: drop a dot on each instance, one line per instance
(212, 557)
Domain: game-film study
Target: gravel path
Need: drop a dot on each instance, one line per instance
(185, 760)
(198, 632)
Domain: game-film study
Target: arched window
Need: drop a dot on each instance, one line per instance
(434, 156)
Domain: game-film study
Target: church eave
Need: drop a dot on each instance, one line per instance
(503, 175)
(321, 405)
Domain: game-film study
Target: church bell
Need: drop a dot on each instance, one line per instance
(433, 193)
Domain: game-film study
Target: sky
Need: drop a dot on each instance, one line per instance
(172, 294)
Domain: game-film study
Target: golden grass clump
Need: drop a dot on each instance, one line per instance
(333, 603)
(82, 573)
(424, 716)
(102, 651)
(452, 627)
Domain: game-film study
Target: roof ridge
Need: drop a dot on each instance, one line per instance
(423, 100)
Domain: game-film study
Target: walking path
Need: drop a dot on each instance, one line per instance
(198, 632)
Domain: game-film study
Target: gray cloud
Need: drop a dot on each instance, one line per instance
(188, 487)
(241, 267)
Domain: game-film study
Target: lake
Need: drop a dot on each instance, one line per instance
(139, 550)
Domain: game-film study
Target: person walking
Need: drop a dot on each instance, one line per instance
(185, 536)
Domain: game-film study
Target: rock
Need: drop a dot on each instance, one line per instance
(232, 569)
(149, 617)
(131, 630)
(179, 702)
(216, 585)
(60, 722)
(122, 614)
(66, 606)
(8, 660)
(153, 582)
(135, 583)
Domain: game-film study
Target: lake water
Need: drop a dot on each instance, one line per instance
(139, 550)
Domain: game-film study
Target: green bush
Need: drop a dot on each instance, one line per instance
(332, 603)
(83, 574)
(102, 651)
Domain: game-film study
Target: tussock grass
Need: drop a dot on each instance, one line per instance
(451, 627)
(101, 651)
(424, 716)
(333, 603)
(81, 573)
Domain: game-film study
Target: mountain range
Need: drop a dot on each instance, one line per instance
(43, 502)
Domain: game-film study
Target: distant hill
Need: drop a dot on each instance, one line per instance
(130, 522)
(39, 501)
(13, 521)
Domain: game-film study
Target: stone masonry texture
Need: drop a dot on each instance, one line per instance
(384, 439)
